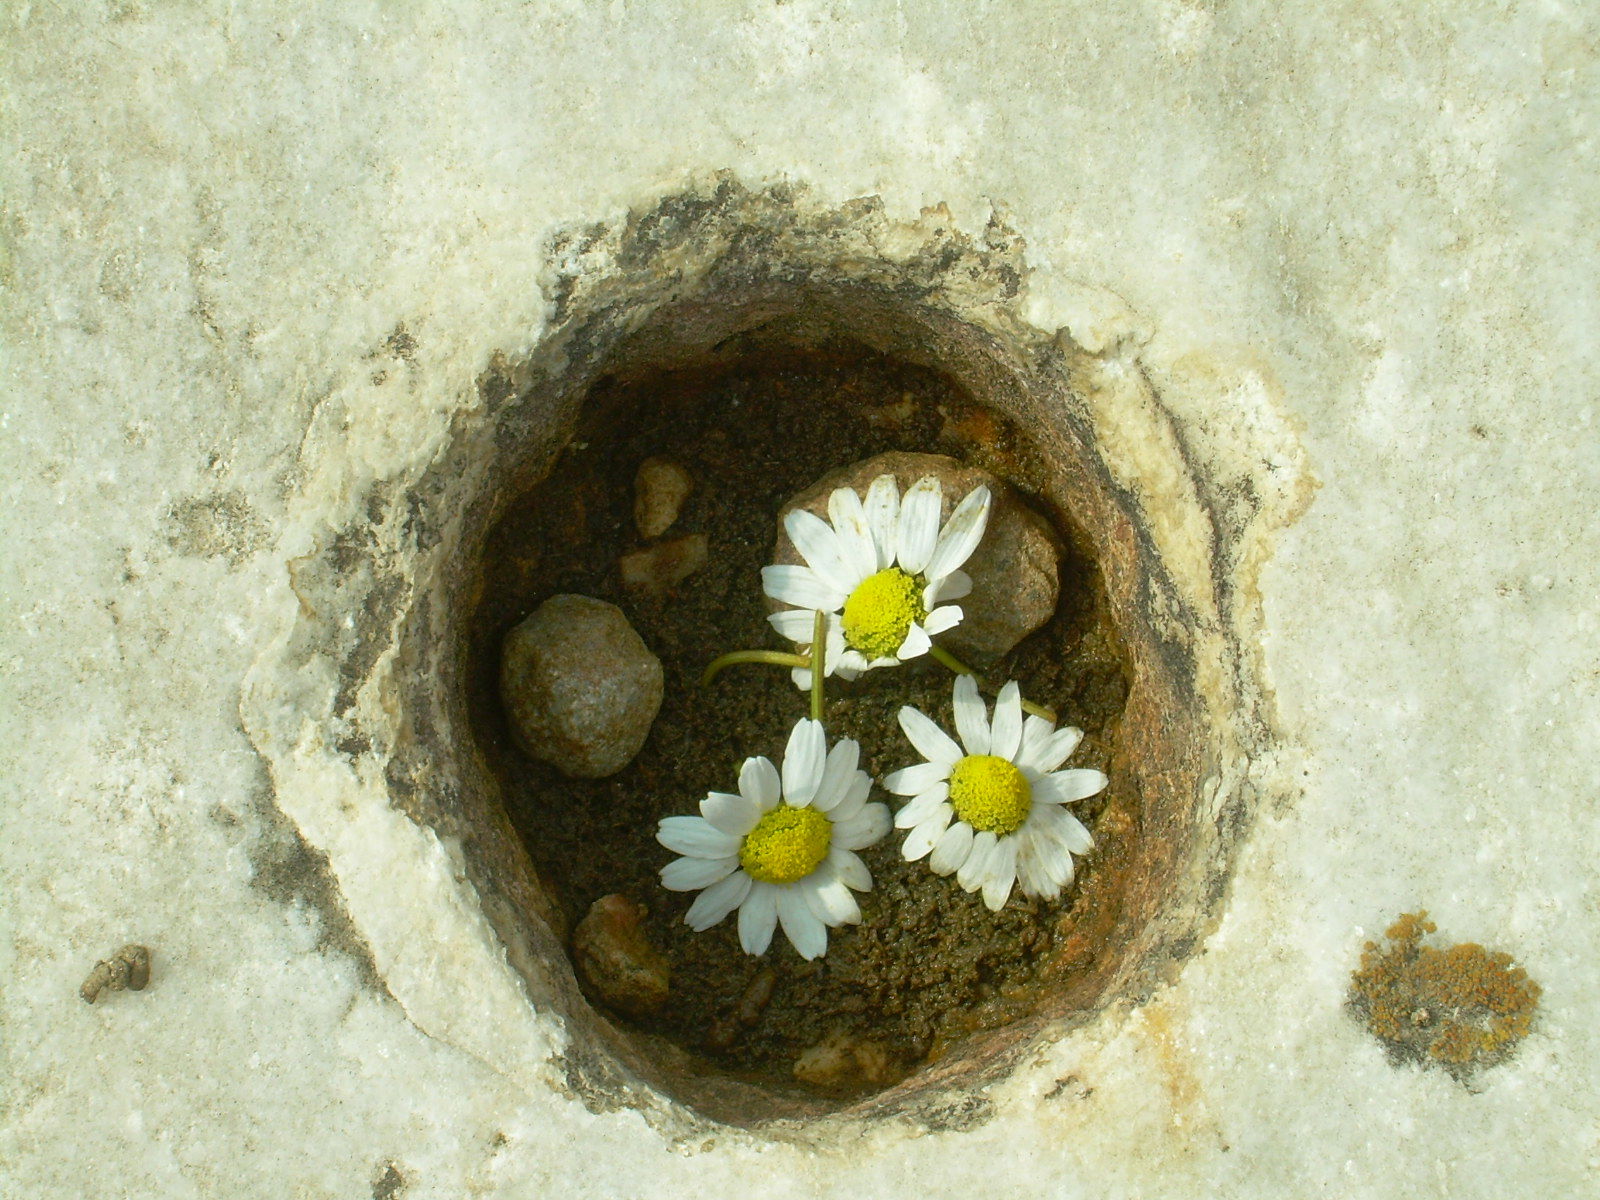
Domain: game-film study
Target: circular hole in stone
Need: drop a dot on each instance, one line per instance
(761, 418)
(764, 343)
(759, 386)
(764, 347)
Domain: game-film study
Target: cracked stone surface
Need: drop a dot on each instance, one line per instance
(256, 262)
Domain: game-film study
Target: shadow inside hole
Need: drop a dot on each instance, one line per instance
(761, 416)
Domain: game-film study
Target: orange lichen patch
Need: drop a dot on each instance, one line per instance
(1458, 1007)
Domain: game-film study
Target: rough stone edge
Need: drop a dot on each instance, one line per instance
(321, 788)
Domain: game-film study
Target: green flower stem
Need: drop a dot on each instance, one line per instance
(961, 668)
(819, 638)
(951, 661)
(776, 658)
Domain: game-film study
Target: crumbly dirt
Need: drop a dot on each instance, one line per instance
(929, 964)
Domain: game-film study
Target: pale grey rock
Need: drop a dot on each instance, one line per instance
(615, 958)
(659, 490)
(580, 687)
(1015, 569)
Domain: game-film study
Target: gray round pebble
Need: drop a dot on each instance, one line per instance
(580, 687)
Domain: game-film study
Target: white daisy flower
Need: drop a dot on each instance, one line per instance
(994, 815)
(790, 861)
(882, 571)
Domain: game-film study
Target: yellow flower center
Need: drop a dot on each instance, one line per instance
(990, 794)
(880, 612)
(787, 844)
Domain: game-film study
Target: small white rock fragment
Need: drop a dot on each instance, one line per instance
(659, 490)
(656, 570)
(843, 1060)
(580, 687)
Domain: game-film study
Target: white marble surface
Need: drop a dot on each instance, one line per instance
(218, 215)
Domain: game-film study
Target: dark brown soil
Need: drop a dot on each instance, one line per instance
(929, 964)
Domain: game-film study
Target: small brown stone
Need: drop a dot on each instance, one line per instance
(128, 969)
(757, 995)
(654, 571)
(580, 686)
(659, 490)
(1015, 569)
(617, 961)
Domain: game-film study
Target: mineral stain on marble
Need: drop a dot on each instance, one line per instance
(389, 1184)
(1460, 1008)
(219, 525)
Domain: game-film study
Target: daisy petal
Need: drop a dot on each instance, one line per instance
(1002, 873)
(923, 807)
(952, 587)
(801, 587)
(849, 869)
(717, 901)
(952, 849)
(883, 517)
(696, 837)
(819, 545)
(849, 517)
(838, 775)
(758, 916)
(919, 524)
(1075, 837)
(1043, 867)
(961, 534)
(1051, 750)
(976, 869)
(758, 782)
(972, 721)
(864, 829)
(1030, 877)
(692, 874)
(1035, 732)
(1063, 787)
(1056, 824)
(913, 781)
(805, 929)
(803, 760)
(916, 644)
(944, 618)
(1057, 862)
(1005, 734)
(795, 624)
(830, 900)
(856, 796)
(933, 743)
(926, 835)
(836, 649)
(853, 662)
(730, 813)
